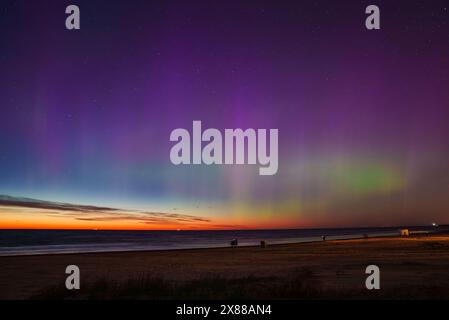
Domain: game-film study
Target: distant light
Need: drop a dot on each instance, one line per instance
(434, 224)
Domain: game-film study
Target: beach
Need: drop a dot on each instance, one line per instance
(411, 267)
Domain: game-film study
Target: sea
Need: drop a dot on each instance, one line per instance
(37, 242)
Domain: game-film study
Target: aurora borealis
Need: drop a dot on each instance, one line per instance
(363, 116)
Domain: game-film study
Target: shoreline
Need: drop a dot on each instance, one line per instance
(415, 265)
(276, 243)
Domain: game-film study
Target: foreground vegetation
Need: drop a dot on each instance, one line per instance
(301, 286)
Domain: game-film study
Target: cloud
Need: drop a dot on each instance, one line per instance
(100, 214)
(41, 204)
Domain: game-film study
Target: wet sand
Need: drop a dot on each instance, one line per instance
(411, 262)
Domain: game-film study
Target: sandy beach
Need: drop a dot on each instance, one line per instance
(414, 267)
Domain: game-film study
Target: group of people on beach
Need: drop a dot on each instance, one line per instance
(263, 244)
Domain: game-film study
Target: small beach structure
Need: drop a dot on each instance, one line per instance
(405, 233)
(263, 244)
(323, 238)
(234, 243)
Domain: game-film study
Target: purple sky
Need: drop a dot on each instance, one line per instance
(362, 115)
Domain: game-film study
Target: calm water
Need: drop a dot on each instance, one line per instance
(25, 242)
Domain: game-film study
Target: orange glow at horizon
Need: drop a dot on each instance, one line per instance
(32, 218)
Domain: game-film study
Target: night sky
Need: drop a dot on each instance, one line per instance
(363, 116)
